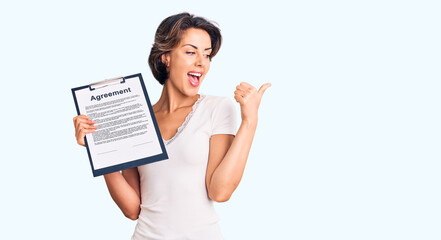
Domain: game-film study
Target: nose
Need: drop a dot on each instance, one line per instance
(200, 60)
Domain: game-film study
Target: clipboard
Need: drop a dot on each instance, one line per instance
(128, 134)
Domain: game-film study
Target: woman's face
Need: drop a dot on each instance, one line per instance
(188, 63)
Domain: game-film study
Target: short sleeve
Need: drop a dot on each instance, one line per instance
(224, 117)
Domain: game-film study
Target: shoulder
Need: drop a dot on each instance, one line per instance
(219, 105)
(217, 101)
(222, 114)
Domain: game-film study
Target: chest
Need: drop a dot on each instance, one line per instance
(187, 153)
(169, 123)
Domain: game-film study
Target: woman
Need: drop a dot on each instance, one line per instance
(173, 199)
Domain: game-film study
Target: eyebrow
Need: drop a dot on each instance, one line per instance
(191, 45)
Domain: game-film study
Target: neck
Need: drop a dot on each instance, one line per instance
(171, 99)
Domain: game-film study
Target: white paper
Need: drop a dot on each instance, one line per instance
(125, 131)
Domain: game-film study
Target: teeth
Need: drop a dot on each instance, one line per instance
(195, 74)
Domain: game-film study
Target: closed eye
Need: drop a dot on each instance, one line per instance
(191, 53)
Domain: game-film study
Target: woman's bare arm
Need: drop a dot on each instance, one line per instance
(229, 154)
(124, 190)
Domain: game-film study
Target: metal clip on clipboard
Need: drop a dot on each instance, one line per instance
(107, 82)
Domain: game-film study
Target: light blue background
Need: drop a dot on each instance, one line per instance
(348, 142)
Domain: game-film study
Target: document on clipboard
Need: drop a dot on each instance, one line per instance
(127, 135)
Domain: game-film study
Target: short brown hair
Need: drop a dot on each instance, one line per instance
(168, 35)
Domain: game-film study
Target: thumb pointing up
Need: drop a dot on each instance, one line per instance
(263, 88)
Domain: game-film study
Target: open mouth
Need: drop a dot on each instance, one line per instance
(194, 78)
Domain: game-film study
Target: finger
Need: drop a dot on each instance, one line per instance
(249, 89)
(84, 126)
(80, 121)
(247, 85)
(263, 88)
(81, 125)
(80, 117)
(80, 137)
(81, 142)
(82, 134)
(78, 132)
(242, 99)
(84, 130)
(239, 99)
(240, 93)
(87, 131)
(89, 126)
(241, 87)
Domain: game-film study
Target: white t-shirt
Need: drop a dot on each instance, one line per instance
(174, 200)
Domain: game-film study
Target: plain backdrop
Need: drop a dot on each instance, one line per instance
(348, 141)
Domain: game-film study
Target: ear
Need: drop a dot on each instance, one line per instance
(165, 58)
